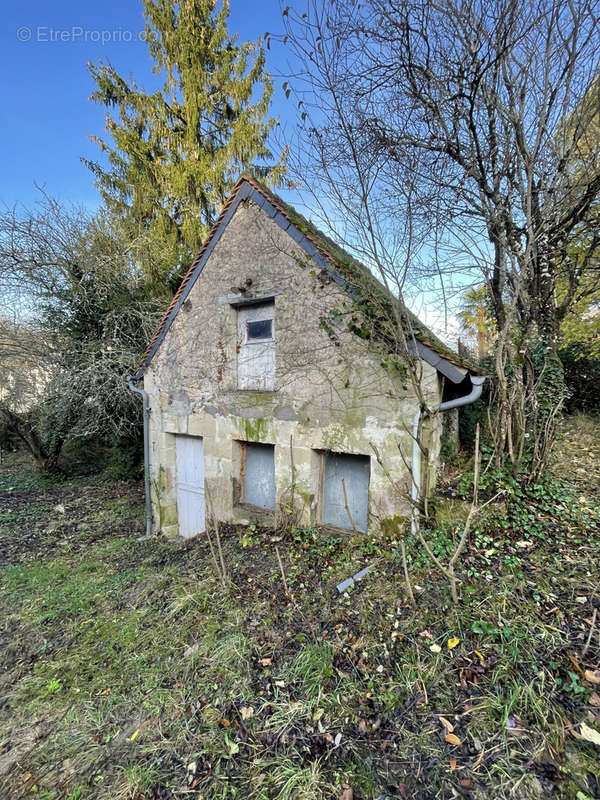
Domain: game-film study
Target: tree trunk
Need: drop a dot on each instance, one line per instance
(46, 459)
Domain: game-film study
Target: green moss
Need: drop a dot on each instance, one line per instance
(255, 430)
(168, 516)
(335, 438)
(375, 305)
(162, 479)
(257, 398)
(392, 526)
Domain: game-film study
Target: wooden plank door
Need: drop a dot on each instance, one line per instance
(191, 507)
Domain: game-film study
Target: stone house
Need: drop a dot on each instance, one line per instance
(271, 382)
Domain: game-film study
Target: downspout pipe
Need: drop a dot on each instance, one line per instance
(476, 389)
(146, 415)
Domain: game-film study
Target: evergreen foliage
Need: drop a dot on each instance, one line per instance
(176, 152)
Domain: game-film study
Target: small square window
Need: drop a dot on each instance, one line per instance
(259, 329)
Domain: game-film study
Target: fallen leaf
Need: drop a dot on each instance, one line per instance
(594, 699)
(246, 712)
(446, 723)
(328, 737)
(592, 675)
(105, 693)
(575, 665)
(426, 635)
(318, 713)
(581, 599)
(338, 739)
(571, 729)
(465, 783)
(60, 508)
(362, 725)
(225, 723)
(453, 642)
(133, 735)
(589, 734)
(265, 662)
(452, 738)
(234, 748)
(347, 793)
(435, 648)
(479, 655)
(452, 764)
(191, 650)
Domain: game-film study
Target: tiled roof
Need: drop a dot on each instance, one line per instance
(353, 275)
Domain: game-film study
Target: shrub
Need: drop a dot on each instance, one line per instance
(582, 376)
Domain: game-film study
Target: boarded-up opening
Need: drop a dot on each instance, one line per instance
(355, 473)
(256, 347)
(258, 475)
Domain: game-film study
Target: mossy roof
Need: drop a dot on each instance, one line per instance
(359, 277)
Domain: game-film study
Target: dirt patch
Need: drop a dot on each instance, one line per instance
(40, 523)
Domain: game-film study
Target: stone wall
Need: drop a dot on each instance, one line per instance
(332, 392)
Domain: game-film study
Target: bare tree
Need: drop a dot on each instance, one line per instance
(463, 126)
(369, 210)
(75, 317)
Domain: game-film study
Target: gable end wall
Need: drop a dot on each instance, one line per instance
(329, 396)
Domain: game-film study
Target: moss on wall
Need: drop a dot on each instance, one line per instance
(162, 479)
(393, 526)
(256, 398)
(168, 516)
(335, 438)
(255, 430)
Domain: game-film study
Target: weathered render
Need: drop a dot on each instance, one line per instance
(306, 385)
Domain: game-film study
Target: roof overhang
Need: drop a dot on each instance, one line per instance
(449, 370)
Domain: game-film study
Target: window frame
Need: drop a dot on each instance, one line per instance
(262, 339)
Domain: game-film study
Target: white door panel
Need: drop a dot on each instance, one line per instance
(191, 508)
(256, 348)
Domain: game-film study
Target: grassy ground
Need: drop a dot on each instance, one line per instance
(130, 671)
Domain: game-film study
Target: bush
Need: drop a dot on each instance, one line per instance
(582, 376)
(126, 460)
(469, 417)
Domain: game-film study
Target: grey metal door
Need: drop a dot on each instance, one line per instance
(355, 470)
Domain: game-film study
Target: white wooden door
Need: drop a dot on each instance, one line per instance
(191, 508)
(256, 347)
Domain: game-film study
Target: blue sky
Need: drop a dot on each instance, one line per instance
(45, 114)
(46, 117)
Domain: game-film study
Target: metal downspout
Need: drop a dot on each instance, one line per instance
(477, 387)
(146, 415)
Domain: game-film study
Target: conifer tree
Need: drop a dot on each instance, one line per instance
(177, 151)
